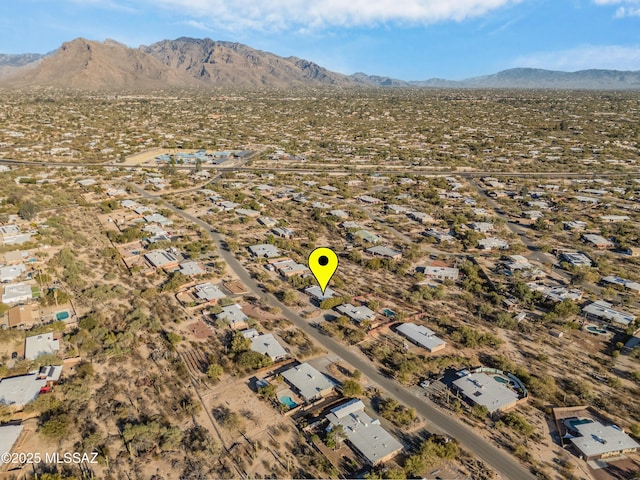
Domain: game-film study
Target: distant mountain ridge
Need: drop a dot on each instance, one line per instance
(188, 62)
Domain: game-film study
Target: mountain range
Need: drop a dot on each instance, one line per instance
(188, 62)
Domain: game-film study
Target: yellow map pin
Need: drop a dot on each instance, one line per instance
(323, 263)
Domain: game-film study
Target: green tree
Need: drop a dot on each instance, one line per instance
(27, 210)
(351, 388)
(214, 371)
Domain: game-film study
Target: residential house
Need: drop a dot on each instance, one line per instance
(493, 244)
(162, 259)
(478, 388)
(593, 440)
(598, 241)
(264, 250)
(288, 268)
(269, 346)
(42, 344)
(604, 311)
(208, 292)
(283, 232)
(308, 382)
(234, 317)
(422, 336)
(363, 433)
(439, 273)
(267, 221)
(10, 273)
(386, 252)
(575, 259)
(622, 282)
(316, 292)
(17, 293)
(357, 314)
(20, 390)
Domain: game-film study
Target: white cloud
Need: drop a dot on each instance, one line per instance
(627, 8)
(614, 57)
(277, 15)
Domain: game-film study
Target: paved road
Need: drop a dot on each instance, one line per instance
(335, 170)
(498, 459)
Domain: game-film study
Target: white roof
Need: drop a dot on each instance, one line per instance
(439, 272)
(357, 314)
(597, 239)
(482, 389)
(604, 310)
(191, 268)
(37, 345)
(160, 258)
(21, 390)
(421, 335)
(598, 439)
(8, 436)
(268, 345)
(308, 381)
(489, 243)
(363, 432)
(233, 314)
(384, 251)
(264, 250)
(208, 291)
(290, 266)
(12, 272)
(316, 292)
(16, 293)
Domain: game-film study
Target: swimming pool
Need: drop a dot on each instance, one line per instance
(288, 401)
(596, 330)
(62, 315)
(388, 312)
(500, 379)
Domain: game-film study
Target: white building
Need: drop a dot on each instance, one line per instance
(364, 434)
(38, 345)
(422, 336)
(17, 293)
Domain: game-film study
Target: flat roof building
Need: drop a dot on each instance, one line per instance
(264, 250)
(357, 314)
(364, 434)
(422, 336)
(598, 241)
(208, 292)
(481, 389)
(308, 382)
(17, 293)
(441, 273)
(43, 344)
(623, 282)
(269, 346)
(493, 243)
(576, 259)
(234, 316)
(601, 310)
(316, 292)
(191, 268)
(289, 268)
(386, 252)
(367, 236)
(9, 435)
(593, 440)
(162, 259)
(10, 273)
(20, 390)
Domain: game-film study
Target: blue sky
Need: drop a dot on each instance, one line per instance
(406, 39)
